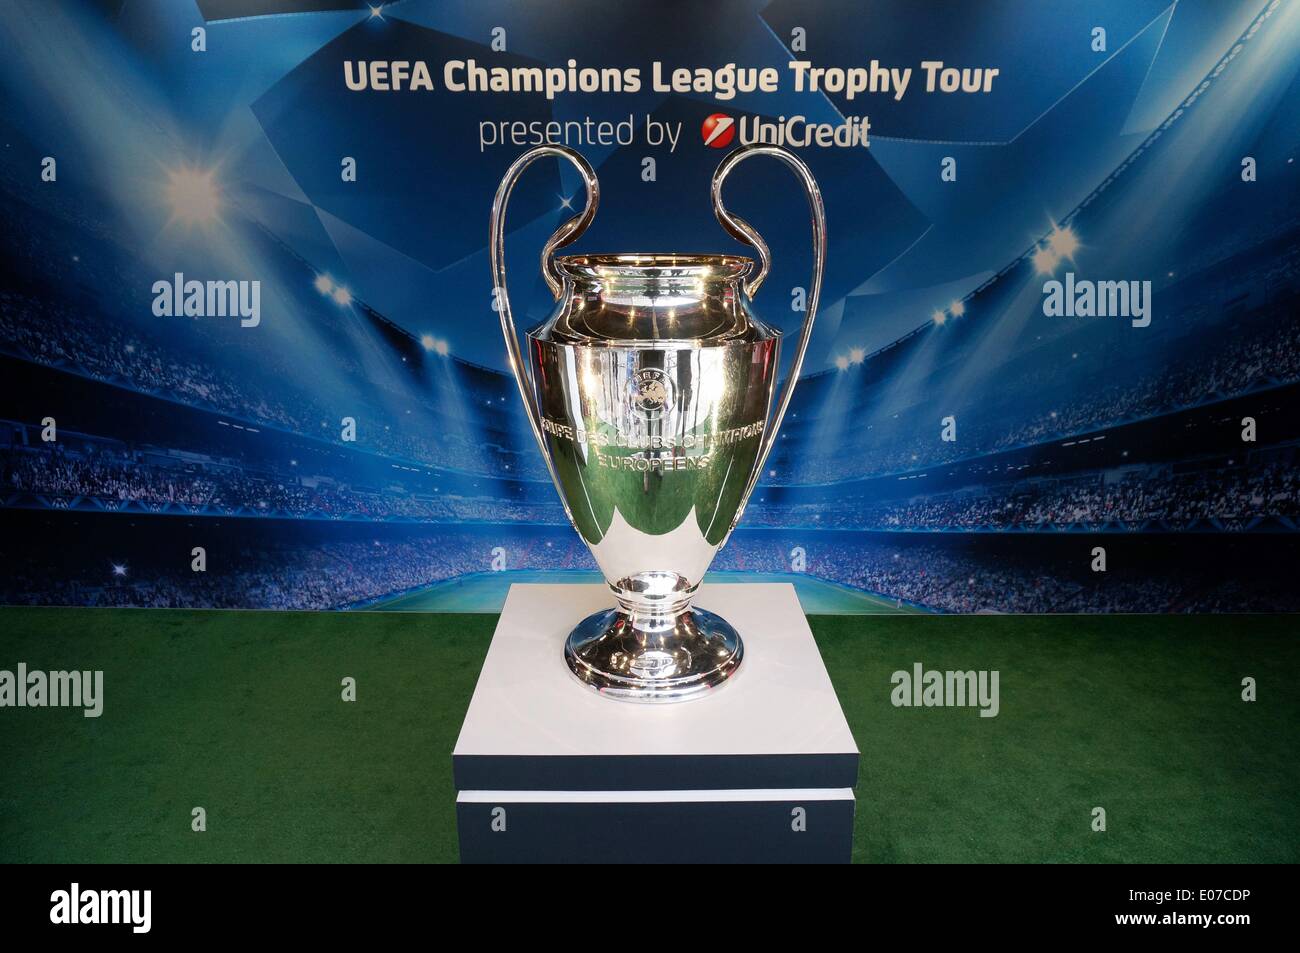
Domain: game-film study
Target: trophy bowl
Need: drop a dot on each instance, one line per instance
(652, 393)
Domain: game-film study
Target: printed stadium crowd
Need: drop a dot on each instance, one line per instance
(1175, 500)
(336, 575)
(1224, 369)
(191, 363)
(58, 336)
(113, 476)
(945, 579)
(330, 575)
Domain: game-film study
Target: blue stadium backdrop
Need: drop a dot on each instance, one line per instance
(1057, 367)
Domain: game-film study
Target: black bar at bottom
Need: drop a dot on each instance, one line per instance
(973, 904)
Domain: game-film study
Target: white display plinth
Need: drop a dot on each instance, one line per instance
(764, 764)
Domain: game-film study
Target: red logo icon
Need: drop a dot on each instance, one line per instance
(718, 130)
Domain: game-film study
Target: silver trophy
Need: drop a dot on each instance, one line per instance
(651, 398)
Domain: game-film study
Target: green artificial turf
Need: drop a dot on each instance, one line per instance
(240, 712)
(1139, 715)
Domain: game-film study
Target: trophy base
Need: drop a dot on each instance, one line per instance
(662, 659)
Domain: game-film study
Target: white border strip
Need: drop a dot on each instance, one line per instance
(654, 797)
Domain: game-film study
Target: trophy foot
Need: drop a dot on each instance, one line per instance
(663, 658)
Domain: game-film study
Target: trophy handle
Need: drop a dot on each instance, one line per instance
(566, 234)
(740, 229)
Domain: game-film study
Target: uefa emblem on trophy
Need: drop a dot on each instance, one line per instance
(651, 394)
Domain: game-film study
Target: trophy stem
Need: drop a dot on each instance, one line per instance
(654, 655)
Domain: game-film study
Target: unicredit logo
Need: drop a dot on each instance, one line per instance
(718, 130)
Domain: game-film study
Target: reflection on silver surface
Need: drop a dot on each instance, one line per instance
(652, 395)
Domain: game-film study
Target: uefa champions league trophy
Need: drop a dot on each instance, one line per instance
(651, 398)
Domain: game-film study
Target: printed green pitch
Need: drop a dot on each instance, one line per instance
(486, 592)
